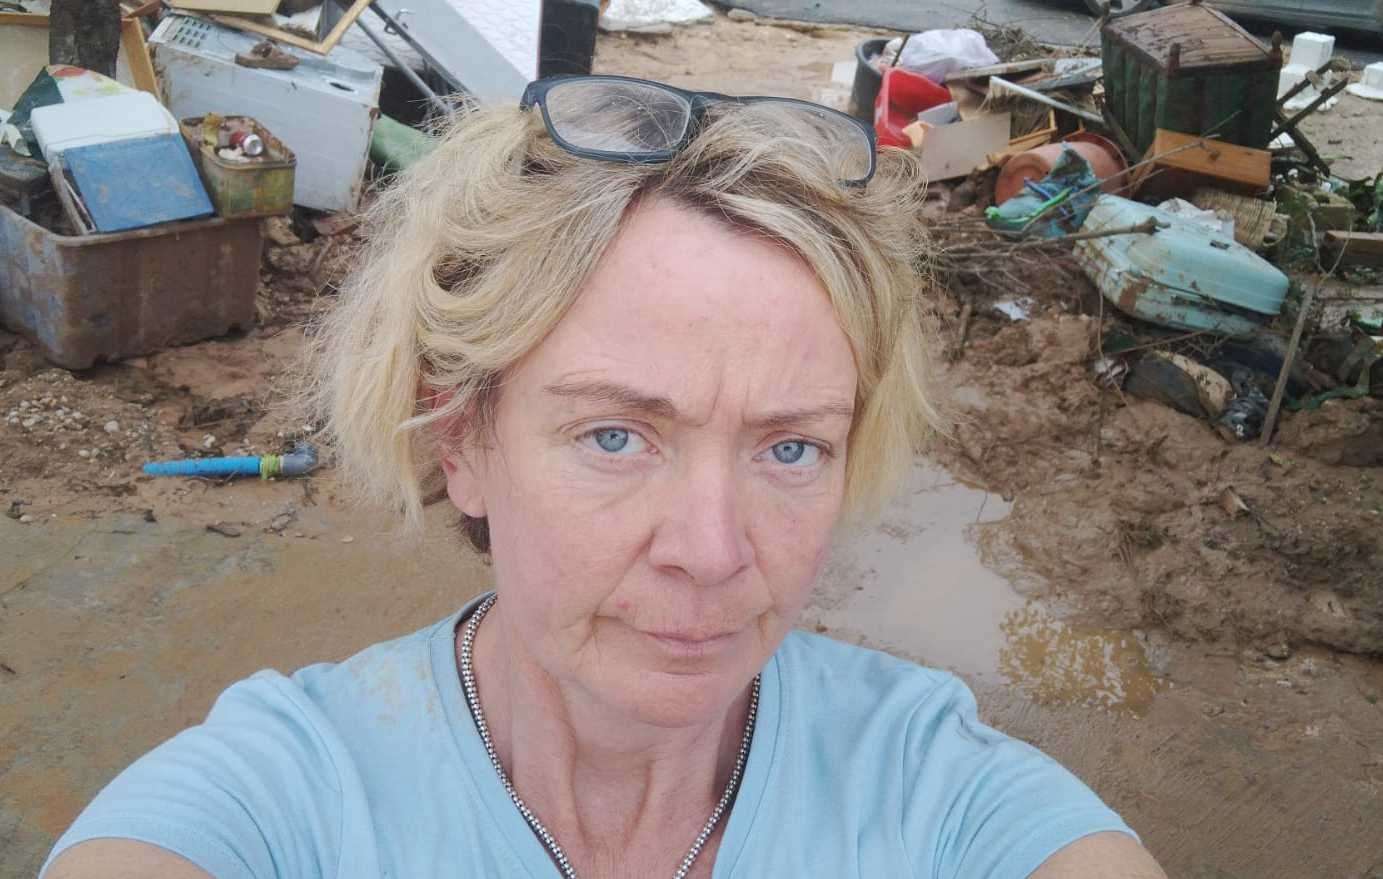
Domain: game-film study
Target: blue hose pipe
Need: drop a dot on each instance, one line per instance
(302, 460)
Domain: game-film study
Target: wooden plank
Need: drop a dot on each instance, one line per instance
(321, 48)
(137, 56)
(1000, 69)
(1360, 248)
(1174, 157)
(23, 19)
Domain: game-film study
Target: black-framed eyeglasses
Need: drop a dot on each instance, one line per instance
(638, 121)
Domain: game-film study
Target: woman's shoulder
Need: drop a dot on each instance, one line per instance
(845, 674)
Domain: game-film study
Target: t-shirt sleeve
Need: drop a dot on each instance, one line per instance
(986, 805)
(251, 793)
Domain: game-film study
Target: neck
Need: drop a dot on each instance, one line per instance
(603, 782)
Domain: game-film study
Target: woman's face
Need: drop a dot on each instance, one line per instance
(666, 468)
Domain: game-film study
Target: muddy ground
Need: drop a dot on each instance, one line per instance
(1210, 670)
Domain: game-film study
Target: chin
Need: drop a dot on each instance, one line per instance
(679, 700)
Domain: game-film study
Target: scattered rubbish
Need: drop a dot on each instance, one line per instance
(346, 16)
(323, 110)
(223, 529)
(1055, 205)
(1177, 164)
(1110, 371)
(937, 53)
(266, 54)
(1234, 507)
(1210, 76)
(1354, 249)
(1181, 277)
(395, 147)
(487, 50)
(1107, 166)
(1243, 417)
(1000, 87)
(82, 299)
(22, 180)
(54, 85)
(1208, 219)
(1257, 224)
(646, 15)
(1371, 86)
(237, 7)
(1016, 309)
(957, 149)
(902, 95)
(301, 461)
(1181, 383)
(248, 171)
(106, 186)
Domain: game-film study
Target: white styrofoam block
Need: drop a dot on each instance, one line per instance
(1311, 50)
(1289, 77)
(1372, 85)
(59, 127)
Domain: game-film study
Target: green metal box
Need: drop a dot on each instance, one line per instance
(1189, 68)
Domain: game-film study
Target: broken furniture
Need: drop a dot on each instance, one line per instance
(1178, 163)
(1182, 276)
(1189, 68)
(91, 298)
(324, 109)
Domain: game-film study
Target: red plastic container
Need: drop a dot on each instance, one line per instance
(902, 95)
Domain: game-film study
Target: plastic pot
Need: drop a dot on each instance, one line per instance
(1104, 158)
(867, 79)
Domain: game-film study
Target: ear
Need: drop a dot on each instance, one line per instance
(462, 461)
(464, 483)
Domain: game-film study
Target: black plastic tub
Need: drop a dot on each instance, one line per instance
(867, 79)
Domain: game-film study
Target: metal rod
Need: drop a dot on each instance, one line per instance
(1324, 96)
(413, 77)
(403, 34)
(1304, 84)
(1006, 86)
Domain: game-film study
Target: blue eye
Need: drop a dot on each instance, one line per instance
(618, 441)
(796, 453)
(611, 439)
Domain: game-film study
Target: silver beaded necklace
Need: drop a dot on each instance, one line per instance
(548, 840)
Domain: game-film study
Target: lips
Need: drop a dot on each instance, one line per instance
(690, 645)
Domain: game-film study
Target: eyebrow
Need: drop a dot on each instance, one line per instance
(632, 399)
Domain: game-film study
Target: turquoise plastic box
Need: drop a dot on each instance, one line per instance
(1182, 276)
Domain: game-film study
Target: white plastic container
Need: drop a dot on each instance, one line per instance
(323, 110)
(59, 127)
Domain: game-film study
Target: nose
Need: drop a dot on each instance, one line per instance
(703, 533)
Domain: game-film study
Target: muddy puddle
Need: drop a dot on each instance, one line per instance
(914, 585)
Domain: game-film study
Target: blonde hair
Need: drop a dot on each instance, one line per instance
(474, 254)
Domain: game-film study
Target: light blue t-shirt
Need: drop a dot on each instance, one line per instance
(862, 765)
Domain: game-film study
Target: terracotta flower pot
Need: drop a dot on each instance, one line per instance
(1104, 158)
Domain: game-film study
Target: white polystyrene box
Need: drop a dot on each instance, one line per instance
(324, 109)
(1311, 50)
(59, 127)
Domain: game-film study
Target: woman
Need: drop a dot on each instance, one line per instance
(654, 345)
